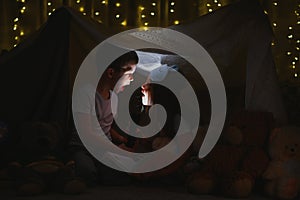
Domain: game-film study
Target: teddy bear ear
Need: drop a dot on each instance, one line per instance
(274, 133)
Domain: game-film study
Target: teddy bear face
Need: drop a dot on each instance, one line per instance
(285, 144)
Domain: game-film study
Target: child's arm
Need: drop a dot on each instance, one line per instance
(117, 138)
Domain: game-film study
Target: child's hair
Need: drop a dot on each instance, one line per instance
(121, 61)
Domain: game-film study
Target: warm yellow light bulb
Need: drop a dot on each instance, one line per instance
(21, 33)
(274, 24)
(210, 10)
(275, 3)
(22, 11)
(176, 22)
(288, 53)
(296, 58)
(208, 5)
(117, 16)
(295, 75)
(172, 3)
(49, 13)
(171, 10)
(153, 4)
(290, 28)
(266, 12)
(142, 8)
(23, 1)
(219, 4)
(293, 66)
(103, 2)
(152, 13)
(124, 23)
(16, 38)
(143, 16)
(146, 23)
(49, 3)
(78, 1)
(118, 4)
(16, 19)
(97, 13)
(290, 36)
(81, 9)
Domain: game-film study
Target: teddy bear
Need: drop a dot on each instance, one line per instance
(40, 164)
(235, 165)
(283, 173)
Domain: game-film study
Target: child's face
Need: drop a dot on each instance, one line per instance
(125, 77)
(147, 98)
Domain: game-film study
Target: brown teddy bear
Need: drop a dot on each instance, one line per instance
(40, 163)
(238, 160)
(283, 173)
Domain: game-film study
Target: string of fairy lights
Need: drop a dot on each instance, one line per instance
(172, 6)
(213, 6)
(292, 37)
(120, 14)
(17, 25)
(150, 13)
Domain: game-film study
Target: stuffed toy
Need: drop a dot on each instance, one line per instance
(238, 160)
(283, 173)
(40, 165)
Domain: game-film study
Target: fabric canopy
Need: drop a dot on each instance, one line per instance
(37, 76)
(238, 37)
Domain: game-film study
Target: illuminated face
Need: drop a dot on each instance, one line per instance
(125, 78)
(147, 98)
